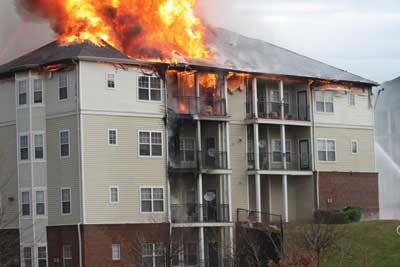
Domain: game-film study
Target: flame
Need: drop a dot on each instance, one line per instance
(143, 29)
(208, 80)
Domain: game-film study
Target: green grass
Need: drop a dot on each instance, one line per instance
(372, 244)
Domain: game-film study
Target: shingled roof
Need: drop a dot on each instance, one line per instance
(231, 51)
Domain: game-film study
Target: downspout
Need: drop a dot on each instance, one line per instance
(313, 147)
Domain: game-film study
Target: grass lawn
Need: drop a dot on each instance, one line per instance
(373, 243)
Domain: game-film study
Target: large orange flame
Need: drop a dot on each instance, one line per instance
(144, 29)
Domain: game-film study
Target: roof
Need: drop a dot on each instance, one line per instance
(231, 51)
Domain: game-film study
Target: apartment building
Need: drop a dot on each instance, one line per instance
(111, 161)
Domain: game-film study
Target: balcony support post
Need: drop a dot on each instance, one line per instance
(257, 167)
(282, 98)
(197, 91)
(226, 94)
(285, 198)
(202, 257)
(283, 146)
(255, 98)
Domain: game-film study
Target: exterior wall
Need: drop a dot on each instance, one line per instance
(63, 172)
(349, 189)
(57, 237)
(7, 97)
(121, 166)
(98, 240)
(363, 161)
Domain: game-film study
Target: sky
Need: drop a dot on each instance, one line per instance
(360, 36)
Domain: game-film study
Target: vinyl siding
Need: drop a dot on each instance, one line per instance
(364, 161)
(7, 97)
(62, 172)
(121, 166)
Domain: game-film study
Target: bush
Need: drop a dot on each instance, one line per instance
(347, 215)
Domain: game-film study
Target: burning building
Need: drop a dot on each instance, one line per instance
(111, 159)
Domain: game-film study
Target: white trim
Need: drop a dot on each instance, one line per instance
(110, 194)
(44, 190)
(26, 134)
(25, 190)
(326, 151)
(123, 113)
(150, 132)
(116, 137)
(70, 201)
(63, 253)
(58, 86)
(344, 126)
(69, 143)
(17, 81)
(115, 81)
(351, 147)
(119, 252)
(152, 199)
(43, 133)
(349, 100)
(41, 104)
(37, 246)
(324, 95)
(291, 150)
(61, 115)
(149, 89)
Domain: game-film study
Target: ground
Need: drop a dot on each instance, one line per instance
(372, 243)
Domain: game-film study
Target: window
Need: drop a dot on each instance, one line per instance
(352, 99)
(153, 255)
(42, 257)
(116, 252)
(149, 88)
(150, 144)
(23, 147)
(187, 149)
(277, 150)
(152, 199)
(62, 86)
(65, 201)
(39, 146)
(354, 147)
(324, 101)
(26, 203)
(64, 143)
(276, 97)
(27, 253)
(110, 81)
(114, 194)
(112, 137)
(22, 92)
(326, 150)
(67, 255)
(191, 253)
(37, 91)
(40, 203)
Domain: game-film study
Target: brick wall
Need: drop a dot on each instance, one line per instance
(349, 189)
(57, 237)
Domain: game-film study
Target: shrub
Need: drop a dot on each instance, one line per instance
(347, 215)
(353, 213)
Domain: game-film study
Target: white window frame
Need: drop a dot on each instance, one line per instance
(326, 151)
(69, 143)
(110, 194)
(351, 147)
(114, 79)
(44, 203)
(43, 146)
(152, 199)
(62, 201)
(324, 92)
(37, 250)
(26, 92)
(119, 252)
(285, 93)
(34, 91)
(28, 147)
(149, 89)
(184, 139)
(273, 150)
(116, 137)
(25, 258)
(352, 102)
(29, 191)
(153, 255)
(69, 256)
(61, 74)
(150, 132)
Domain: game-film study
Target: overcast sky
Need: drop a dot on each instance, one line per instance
(361, 36)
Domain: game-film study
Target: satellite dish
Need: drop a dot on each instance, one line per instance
(209, 196)
(211, 152)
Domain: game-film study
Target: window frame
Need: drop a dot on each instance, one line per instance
(114, 79)
(273, 150)
(324, 93)
(149, 89)
(42, 258)
(116, 137)
(352, 102)
(184, 140)
(152, 199)
(28, 146)
(23, 203)
(326, 150)
(153, 255)
(62, 201)
(34, 91)
(110, 194)
(150, 133)
(62, 74)
(351, 147)
(112, 252)
(43, 145)
(44, 203)
(70, 257)
(19, 93)
(60, 144)
(30, 255)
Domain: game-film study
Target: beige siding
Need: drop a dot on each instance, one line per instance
(8, 177)
(237, 105)
(7, 97)
(121, 166)
(62, 172)
(364, 161)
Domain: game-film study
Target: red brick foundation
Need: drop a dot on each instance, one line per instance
(341, 189)
(57, 237)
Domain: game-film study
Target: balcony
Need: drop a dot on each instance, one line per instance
(184, 159)
(274, 161)
(207, 106)
(213, 159)
(190, 213)
(273, 111)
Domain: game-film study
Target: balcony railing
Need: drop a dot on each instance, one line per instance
(274, 161)
(273, 111)
(184, 159)
(213, 159)
(205, 105)
(190, 213)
